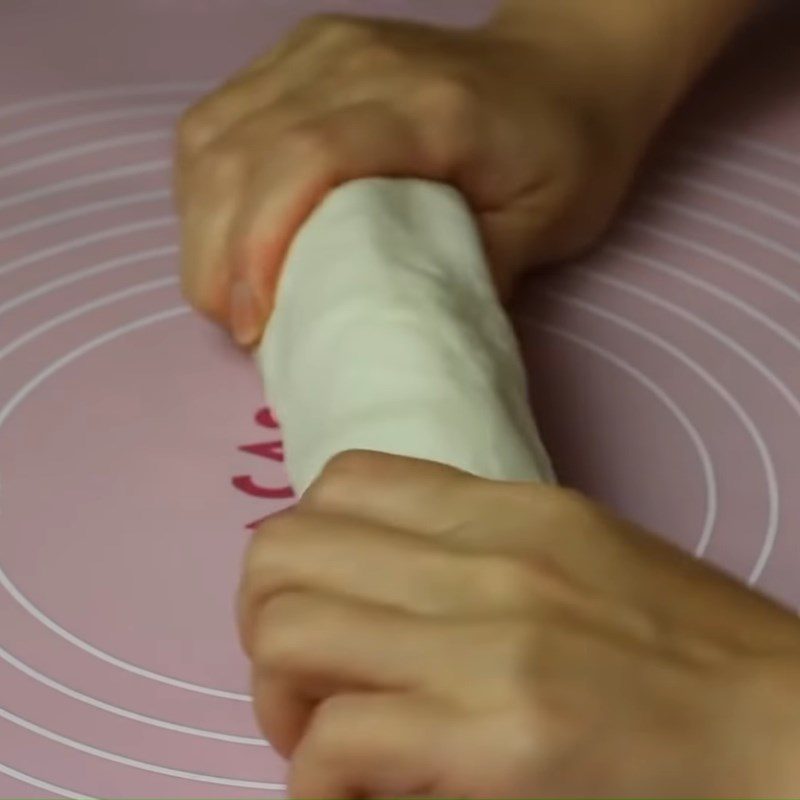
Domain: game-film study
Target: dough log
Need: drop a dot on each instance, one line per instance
(388, 335)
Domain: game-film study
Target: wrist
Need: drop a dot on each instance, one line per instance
(776, 697)
(638, 58)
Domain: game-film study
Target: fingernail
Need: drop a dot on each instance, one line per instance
(244, 314)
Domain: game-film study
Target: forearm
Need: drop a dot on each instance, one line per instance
(643, 53)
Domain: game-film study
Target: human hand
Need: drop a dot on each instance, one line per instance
(537, 131)
(415, 631)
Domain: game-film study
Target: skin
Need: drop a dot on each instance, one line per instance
(540, 117)
(415, 631)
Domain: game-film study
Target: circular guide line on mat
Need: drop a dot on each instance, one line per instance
(136, 763)
(57, 322)
(668, 396)
(5, 581)
(36, 381)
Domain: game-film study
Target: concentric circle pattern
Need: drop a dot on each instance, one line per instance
(134, 447)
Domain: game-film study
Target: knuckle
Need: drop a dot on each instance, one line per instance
(195, 129)
(517, 643)
(508, 581)
(526, 733)
(449, 98)
(352, 463)
(274, 527)
(270, 537)
(557, 511)
(222, 168)
(338, 27)
(315, 143)
(331, 733)
(202, 294)
(567, 505)
(268, 559)
(280, 634)
(341, 479)
(376, 54)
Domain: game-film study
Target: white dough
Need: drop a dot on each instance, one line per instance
(388, 335)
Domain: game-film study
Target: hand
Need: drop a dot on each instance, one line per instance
(531, 129)
(415, 631)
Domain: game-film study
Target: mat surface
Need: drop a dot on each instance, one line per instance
(134, 447)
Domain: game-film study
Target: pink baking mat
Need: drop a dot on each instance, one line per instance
(134, 447)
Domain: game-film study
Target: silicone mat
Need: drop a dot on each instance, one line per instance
(134, 447)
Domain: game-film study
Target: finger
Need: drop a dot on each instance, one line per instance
(282, 709)
(371, 745)
(283, 160)
(516, 237)
(253, 89)
(534, 229)
(351, 558)
(321, 641)
(424, 497)
(212, 190)
(309, 648)
(212, 195)
(406, 493)
(245, 197)
(257, 85)
(300, 165)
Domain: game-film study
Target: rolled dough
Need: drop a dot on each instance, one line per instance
(388, 335)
